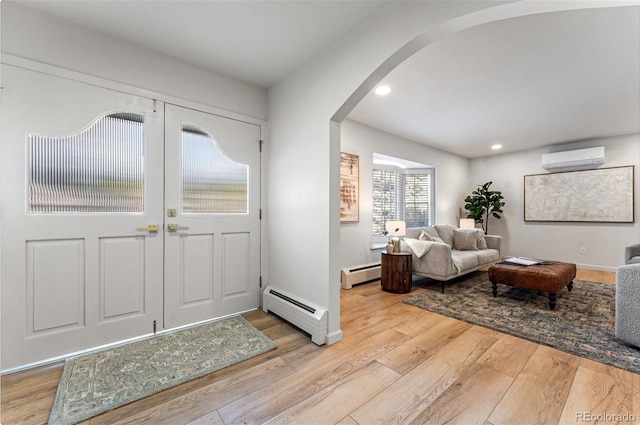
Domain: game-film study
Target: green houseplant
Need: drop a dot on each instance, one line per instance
(483, 203)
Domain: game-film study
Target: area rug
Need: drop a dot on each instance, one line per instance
(582, 322)
(101, 381)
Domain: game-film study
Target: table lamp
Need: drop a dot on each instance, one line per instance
(395, 229)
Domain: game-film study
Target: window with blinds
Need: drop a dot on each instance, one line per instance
(97, 170)
(402, 195)
(417, 198)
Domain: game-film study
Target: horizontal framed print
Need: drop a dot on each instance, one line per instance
(603, 195)
(349, 187)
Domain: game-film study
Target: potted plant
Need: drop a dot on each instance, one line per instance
(483, 203)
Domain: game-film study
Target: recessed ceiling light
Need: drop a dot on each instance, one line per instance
(383, 90)
(496, 147)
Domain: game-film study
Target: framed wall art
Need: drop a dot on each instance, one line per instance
(349, 187)
(603, 195)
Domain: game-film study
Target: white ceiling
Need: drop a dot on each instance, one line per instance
(259, 42)
(523, 83)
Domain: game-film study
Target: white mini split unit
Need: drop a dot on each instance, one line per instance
(580, 159)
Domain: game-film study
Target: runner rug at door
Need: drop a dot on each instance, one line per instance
(101, 381)
(581, 324)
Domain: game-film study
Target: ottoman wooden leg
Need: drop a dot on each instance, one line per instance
(494, 289)
(552, 300)
(570, 286)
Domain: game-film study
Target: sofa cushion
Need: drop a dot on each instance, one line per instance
(486, 256)
(465, 240)
(634, 260)
(413, 232)
(445, 232)
(481, 242)
(465, 259)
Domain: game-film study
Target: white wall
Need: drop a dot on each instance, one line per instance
(452, 181)
(35, 36)
(604, 243)
(304, 158)
(304, 151)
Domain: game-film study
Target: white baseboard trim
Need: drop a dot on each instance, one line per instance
(594, 267)
(334, 337)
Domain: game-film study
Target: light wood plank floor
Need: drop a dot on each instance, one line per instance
(396, 364)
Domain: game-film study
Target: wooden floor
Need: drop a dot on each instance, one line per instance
(396, 364)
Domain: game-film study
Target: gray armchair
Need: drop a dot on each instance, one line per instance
(632, 254)
(628, 304)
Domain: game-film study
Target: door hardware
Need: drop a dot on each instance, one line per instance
(173, 227)
(152, 228)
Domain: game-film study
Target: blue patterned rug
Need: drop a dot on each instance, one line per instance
(101, 381)
(581, 324)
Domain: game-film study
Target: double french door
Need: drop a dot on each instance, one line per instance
(121, 216)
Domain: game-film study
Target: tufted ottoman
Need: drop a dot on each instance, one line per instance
(549, 277)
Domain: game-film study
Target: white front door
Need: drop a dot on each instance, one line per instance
(212, 245)
(89, 252)
(81, 172)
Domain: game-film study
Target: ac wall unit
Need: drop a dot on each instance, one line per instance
(301, 313)
(574, 160)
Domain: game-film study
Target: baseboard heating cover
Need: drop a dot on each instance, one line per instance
(301, 313)
(360, 274)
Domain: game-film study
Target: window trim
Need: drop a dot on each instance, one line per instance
(379, 240)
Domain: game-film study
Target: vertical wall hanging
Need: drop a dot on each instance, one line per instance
(349, 187)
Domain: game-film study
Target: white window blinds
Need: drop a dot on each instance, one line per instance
(417, 199)
(402, 195)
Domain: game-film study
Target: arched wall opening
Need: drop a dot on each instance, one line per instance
(438, 32)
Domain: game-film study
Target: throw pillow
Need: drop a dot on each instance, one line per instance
(424, 236)
(445, 232)
(465, 240)
(482, 242)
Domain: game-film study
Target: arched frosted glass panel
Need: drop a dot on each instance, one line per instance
(97, 170)
(211, 182)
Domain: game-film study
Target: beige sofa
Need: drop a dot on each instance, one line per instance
(443, 252)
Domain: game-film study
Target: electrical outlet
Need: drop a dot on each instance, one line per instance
(582, 250)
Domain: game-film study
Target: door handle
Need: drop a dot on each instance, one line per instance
(152, 228)
(173, 227)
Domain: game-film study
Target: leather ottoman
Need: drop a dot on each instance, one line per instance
(549, 277)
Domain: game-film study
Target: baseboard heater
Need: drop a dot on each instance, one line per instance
(301, 313)
(360, 274)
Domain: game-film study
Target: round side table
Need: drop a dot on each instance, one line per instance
(395, 275)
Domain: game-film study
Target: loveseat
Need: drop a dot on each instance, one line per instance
(443, 252)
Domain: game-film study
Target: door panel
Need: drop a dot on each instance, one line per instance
(75, 274)
(236, 264)
(196, 252)
(122, 276)
(55, 276)
(113, 222)
(212, 181)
